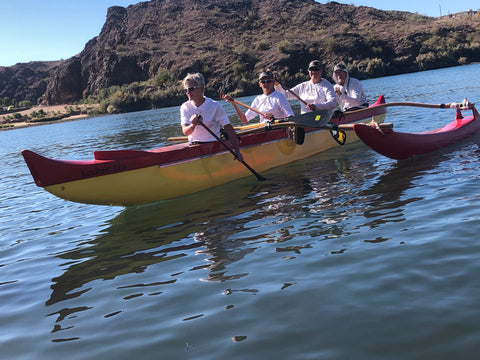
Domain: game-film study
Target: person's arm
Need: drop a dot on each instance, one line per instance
(222, 118)
(285, 107)
(239, 112)
(189, 128)
(355, 95)
(284, 92)
(297, 90)
(233, 138)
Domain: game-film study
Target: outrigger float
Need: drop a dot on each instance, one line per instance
(401, 145)
(134, 177)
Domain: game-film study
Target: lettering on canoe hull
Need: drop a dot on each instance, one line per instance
(104, 169)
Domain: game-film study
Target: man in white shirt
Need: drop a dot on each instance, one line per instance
(271, 103)
(211, 113)
(349, 91)
(318, 92)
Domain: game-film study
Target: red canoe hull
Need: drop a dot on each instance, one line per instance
(400, 145)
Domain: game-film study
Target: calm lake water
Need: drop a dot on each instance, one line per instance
(344, 255)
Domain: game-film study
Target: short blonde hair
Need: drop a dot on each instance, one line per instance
(196, 78)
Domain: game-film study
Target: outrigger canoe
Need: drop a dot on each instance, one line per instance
(400, 145)
(134, 177)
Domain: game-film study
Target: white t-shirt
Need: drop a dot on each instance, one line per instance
(352, 95)
(321, 94)
(274, 103)
(213, 116)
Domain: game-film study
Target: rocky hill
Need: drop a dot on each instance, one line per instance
(26, 81)
(230, 42)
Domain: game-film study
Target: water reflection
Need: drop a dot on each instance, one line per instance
(224, 224)
(304, 205)
(383, 199)
(387, 198)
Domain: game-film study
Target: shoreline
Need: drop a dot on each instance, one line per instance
(59, 109)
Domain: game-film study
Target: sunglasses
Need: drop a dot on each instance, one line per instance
(191, 88)
(314, 69)
(266, 81)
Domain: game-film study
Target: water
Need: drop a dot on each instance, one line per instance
(344, 255)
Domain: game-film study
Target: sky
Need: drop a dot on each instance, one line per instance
(42, 30)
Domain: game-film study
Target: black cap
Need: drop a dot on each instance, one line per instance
(340, 66)
(315, 64)
(265, 75)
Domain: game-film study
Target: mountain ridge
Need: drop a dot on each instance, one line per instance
(160, 41)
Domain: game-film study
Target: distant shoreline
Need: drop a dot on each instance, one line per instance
(58, 109)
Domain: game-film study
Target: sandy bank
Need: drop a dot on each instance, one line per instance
(49, 110)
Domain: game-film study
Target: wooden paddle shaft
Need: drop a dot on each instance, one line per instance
(244, 105)
(291, 92)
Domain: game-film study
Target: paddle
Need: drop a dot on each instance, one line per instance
(222, 95)
(315, 118)
(293, 93)
(259, 177)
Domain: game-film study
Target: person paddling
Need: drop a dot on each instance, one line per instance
(271, 103)
(349, 90)
(209, 112)
(317, 93)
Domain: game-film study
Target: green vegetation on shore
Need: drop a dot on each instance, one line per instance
(39, 116)
(161, 91)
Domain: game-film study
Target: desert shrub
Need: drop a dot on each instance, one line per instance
(38, 114)
(330, 44)
(25, 104)
(6, 101)
(239, 68)
(163, 77)
(423, 60)
(262, 46)
(283, 46)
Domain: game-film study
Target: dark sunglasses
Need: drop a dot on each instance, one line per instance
(191, 88)
(266, 81)
(314, 69)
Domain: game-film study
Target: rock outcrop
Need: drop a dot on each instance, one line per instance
(230, 42)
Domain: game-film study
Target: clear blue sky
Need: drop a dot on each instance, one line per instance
(41, 30)
(32, 30)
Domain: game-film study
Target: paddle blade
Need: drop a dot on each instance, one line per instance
(339, 136)
(313, 119)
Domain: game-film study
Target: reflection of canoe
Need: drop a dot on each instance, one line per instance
(399, 145)
(133, 177)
